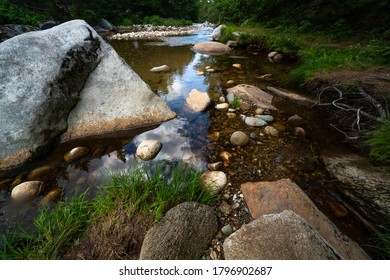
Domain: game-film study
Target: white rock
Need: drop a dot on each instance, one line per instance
(162, 68)
(197, 100)
(148, 149)
(27, 190)
(222, 107)
(214, 181)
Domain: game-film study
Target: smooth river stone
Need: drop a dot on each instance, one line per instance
(27, 190)
(75, 153)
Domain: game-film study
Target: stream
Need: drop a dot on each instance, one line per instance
(187, 137)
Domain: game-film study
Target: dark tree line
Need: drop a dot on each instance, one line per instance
(366, 15)
(93, 10)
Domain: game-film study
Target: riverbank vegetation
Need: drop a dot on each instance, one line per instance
(138, 191)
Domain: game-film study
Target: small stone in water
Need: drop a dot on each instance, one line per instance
(226, 156)
(201, 73)
(237, 65)
(75, 154)
(259, 111)
(267, 118)
(251, 121)
(215, 166)
(214, 137)
(222, 99)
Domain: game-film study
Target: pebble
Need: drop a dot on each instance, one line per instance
(227, 230)
(215, 166)
(269, 130)
(231, 115)
(225, 208)
(213, 255)
(222, 99)
(210, 70)
(239, 138)
(230, 82)
(251, 121)
(214, 137)
(245, 106)
(75, 153)
(226, 156)
(223, 107)
(259, 111)
(52, 196)
(40, 173)
(201, 73)
(295, 120)
(235, 206)
(237, 65)
(267, 118)
(254, 136)
(300, 132)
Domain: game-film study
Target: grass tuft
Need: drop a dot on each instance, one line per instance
(379, 143)
(138, 191)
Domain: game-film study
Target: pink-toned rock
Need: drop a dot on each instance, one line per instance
(274, 197)
(197, 100)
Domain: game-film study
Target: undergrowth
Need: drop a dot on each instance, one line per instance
(313, 52)
(138, 190)
(378, 141)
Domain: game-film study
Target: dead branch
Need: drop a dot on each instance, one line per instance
(359, 102)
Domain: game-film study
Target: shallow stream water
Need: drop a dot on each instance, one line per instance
(185, 138)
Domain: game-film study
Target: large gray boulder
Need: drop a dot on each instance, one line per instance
(265, 198)
(184, 233)
(366, 185)
(41, 76)
(45, 73)
(281, 236)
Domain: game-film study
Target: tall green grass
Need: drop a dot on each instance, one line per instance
(55, 229)
(379, 143)
(138, 190)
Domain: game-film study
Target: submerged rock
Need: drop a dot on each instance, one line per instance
(183, 234)
(293, 97)
(27, 190)
(40, 173)
(162, 68)
(75, 153)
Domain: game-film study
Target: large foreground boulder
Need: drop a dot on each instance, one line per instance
(265, 198)
(184, 233)
(367, 185)
(45, 73)
(281, 236)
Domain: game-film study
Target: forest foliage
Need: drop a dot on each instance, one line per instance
(344, 17)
